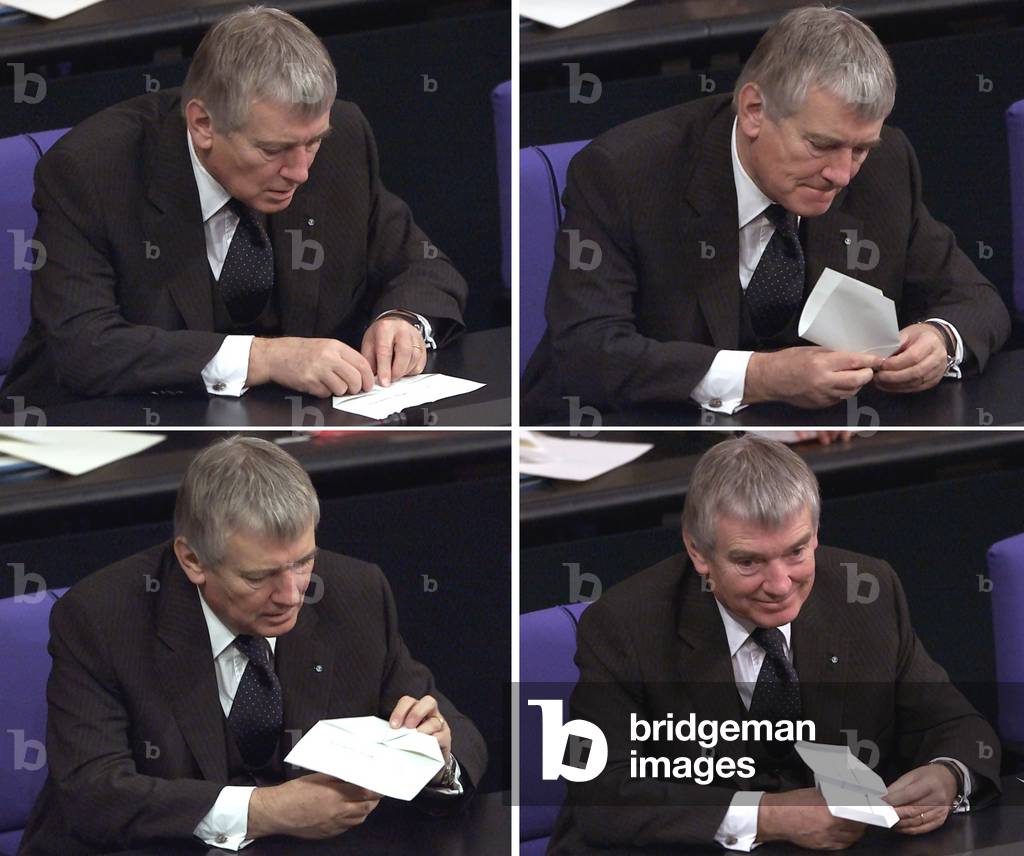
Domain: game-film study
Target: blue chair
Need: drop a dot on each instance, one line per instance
(547, 648)
(501, 105)
(24, 634)
(18, 158)
(541, 182)
(1006, 570)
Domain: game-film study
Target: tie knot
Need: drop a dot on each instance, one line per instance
(248, 217)
(255, 648)
(771, 640)
(781, 218)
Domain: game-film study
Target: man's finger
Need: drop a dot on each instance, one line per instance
(404, 705)
(383, 348)
(425, 707)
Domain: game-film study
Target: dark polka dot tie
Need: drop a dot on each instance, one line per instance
(247, 277)
(777, 692)
(256, 716)
(776, 289)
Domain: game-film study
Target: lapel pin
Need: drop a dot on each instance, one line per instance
(317, 668)
(312, 222)
(833, 659)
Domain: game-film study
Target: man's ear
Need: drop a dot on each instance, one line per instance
(189, 562)
(700, 561)
(200, 125)
(750, 115)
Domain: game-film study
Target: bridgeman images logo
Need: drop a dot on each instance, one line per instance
(555, 736)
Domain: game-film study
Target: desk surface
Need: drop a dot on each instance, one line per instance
(992, 398)
(646, 25)
(483, 356)
(663, 473)
(115, 20)
(394, 829)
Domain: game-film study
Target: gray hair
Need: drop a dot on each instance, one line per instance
(753, 479)
(242, 484)
(828, 48)
(264, 54)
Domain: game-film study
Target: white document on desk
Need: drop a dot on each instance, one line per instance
(75, 452)
(367, 751)
(380, 402)
(845, 314)
(850, 787)
(565, 13)
(52, 9)
(573, 460)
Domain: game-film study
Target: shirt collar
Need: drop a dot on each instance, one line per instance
(738, 630)
(750, 201)
(212, 196)
(221, 636)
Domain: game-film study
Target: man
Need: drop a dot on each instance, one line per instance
(183, 675)
(714, 219)
(756, 622)
(230, 234)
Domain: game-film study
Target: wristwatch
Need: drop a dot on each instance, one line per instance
(959, 776)
(406, 315)
(448, 776)
(947, 337)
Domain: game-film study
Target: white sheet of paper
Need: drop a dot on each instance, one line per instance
(380, 402)
(366, 751)
(52, 9)
(564, 13)
(850, 787)
(845, 314)
(576, 460)
(75, 452)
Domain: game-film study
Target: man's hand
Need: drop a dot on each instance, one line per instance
(394, 349)
(320, 367)
(802, 817)
(313, 806)
(922, 798)
(809, 377)
(919, 364)
(423, 715)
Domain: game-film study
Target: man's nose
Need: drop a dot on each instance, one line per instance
(296, 165)
(839, 169)
(288, 591)
(775, 580)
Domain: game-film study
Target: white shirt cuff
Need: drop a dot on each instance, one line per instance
(226, 823)
(225, 374)
(958, 353)
(428, 331)
(965, 805)
(738, 828)
(721, 389)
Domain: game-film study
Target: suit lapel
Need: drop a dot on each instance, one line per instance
(178, 226)
(186, 672)
(305, 666)
(820, 654)
(712, 195)
(298, 237)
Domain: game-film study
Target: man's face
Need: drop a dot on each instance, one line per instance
(262, 163)
(804, 160)
(763, 575)
(258, 588)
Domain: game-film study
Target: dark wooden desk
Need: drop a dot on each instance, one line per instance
(393, 829)
(677, 26)
(999, 826)
(993, 398)
(483, 356)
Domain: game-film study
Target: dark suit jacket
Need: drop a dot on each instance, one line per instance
(658, 197)
(132, 670)
(124, 301)
(655, 643)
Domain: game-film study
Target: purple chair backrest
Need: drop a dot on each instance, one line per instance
(18, 158)
(1015, 139)
(547, 648)
(1006, 568)
(501, 105)
(24, 633)
(541, 182)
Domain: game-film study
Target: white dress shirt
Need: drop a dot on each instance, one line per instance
(225, 374)
(721, 389)
(226, 823)
(738, 828)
